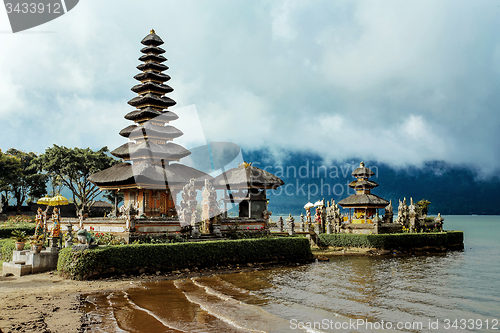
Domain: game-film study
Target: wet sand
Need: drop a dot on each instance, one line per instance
(49, 303)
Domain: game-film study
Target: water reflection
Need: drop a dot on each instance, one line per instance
(456, 285)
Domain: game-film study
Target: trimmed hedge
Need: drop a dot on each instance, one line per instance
(393, 241)
(7, 231)
(127, 259)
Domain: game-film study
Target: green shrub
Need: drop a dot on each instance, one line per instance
(393, 241)
(129, 259)
(7, 246)
(7, 232)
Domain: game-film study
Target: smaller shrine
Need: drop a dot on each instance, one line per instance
(246, 185)
(363, 205)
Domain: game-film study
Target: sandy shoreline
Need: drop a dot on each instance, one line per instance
(48, 303)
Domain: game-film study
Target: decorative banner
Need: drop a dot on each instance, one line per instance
(26, 14)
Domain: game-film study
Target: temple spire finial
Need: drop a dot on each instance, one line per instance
(152, 31)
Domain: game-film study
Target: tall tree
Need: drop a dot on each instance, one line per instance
(73, 167)
(9, 167)
(26, 180)
(112, 195)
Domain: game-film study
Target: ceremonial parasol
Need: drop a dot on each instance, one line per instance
(44, 201)
(58, 200)
(308, 206)
(319, 203)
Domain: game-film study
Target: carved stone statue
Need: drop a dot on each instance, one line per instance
(187, 206)
(388, 216)
(210, 207)
(438, 222)
(412, 217)
(403, 213)
(84, 237)
(56, 226)
(39, 223)
(266, 214)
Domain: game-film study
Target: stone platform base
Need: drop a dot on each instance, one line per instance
(29, 262)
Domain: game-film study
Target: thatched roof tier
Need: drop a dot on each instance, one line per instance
(145, 87)
(159, 77)
(149, 113)
(362, 171)
(361, 183)
(245, 176)
(152, 39)
(151, 131)
(363, 200)
(153, 57)
(147, 149)
(152, 49)
(152, 100)
(147, 175)
(153, 66)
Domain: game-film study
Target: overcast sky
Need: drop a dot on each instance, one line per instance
(401, 82)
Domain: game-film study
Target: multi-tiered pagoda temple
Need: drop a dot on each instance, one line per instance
(364, 203)
(150, 179)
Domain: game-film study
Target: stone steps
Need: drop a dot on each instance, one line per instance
(29, 262)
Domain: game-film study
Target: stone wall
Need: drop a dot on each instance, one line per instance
(154, 226)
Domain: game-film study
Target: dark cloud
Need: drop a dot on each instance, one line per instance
(399, 82)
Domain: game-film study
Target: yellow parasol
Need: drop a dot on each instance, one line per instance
(58, 200)
(44, 201)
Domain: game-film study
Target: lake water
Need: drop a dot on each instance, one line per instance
(453, 292)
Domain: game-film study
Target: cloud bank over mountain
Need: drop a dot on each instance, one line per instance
(397, 82)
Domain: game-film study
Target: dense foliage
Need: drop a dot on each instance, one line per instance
(7, 232)
(20, 176)
(126, 259)
(393, 241)
(72, 167)
(423, 207)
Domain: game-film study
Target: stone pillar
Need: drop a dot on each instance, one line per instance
(323, 219)
(376, 224)
(69, 238)
(328, 224)
(290, 221)
(281, 224)
(53, 244)
(195, 233)
(302, 222)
